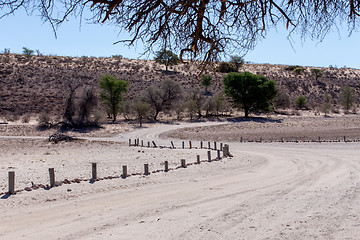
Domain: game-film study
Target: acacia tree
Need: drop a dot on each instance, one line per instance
(347, 97)
(203, 29)
(166, 57)
(250, 92)
(162, 97)
(206, 81)
(111, 94)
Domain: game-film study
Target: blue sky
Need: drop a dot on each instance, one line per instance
(20, 30)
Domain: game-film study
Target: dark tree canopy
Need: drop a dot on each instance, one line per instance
(249, 92)
(166, 57)
(200, 29)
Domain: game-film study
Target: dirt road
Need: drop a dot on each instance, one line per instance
(266, 191)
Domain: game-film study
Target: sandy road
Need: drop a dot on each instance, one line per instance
(285, 191)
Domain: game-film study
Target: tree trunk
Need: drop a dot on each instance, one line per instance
(246, 112)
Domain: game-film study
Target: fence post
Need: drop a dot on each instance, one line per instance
(282, 140)
(129, 142)
(124, 168)
(190, 145)
(148, 144)
(137, 142)
(221, 146)
(198, 159)
(183, 145)
(154, 144)
(241, 139)
(94, 173)
(166, 163)
(183, 163)
(201, 145)
(142, 143)
(344, 138)
(261, 139)
(215, 147)
(218, 155)
(226, 150)
(52, 177)
(11, 183)
(172, 144)
(146, 169)
(209, 147)
(319, 140)
(209, 156)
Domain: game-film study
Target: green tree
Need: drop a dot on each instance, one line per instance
(250, 92)
(28, 52)
(300, 102)
(206, 81)
(111, 94)
(326, 104)
(317, 73)
(166, 57)
(347, 97)
(237, 61)
(142, 110)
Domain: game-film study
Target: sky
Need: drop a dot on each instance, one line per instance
(19, 30)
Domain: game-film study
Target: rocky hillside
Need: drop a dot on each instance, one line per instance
(32, 84)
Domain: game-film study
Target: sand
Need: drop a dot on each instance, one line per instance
(274, 190)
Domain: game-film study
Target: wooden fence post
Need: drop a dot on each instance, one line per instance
(198, 159)
(183, 163)
(146, 169)
(201, 145)
(261, 139)
(226, 152)
(166, 163)
(52, 177)
(344, 138)
(319, 140)
(148, 144)
(209, 156)
(142, 143)
(124, 168)
(215, 147)
(172, 144)
(209, 147)
(11, 183)
(282, 140)
(94, 172)
(154, 144)
(221, 146)
(190, 145)
(183, 144)
(218, 155)
(241, 139)
(137, 142)
(129, 142)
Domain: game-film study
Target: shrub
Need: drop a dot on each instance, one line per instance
(225, 67)
(206, 81)
(282, 100)
(347, 97)
(300, 102)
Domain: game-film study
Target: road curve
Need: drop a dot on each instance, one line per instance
(286, 191)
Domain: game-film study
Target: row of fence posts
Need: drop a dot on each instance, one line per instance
(94, 176)
(283, 140)
(137, 143)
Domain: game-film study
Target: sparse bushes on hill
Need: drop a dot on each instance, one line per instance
(27, 52)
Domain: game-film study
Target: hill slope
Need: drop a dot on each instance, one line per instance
(40, 83)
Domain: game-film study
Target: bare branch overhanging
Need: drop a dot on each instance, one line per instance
(200, 29)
